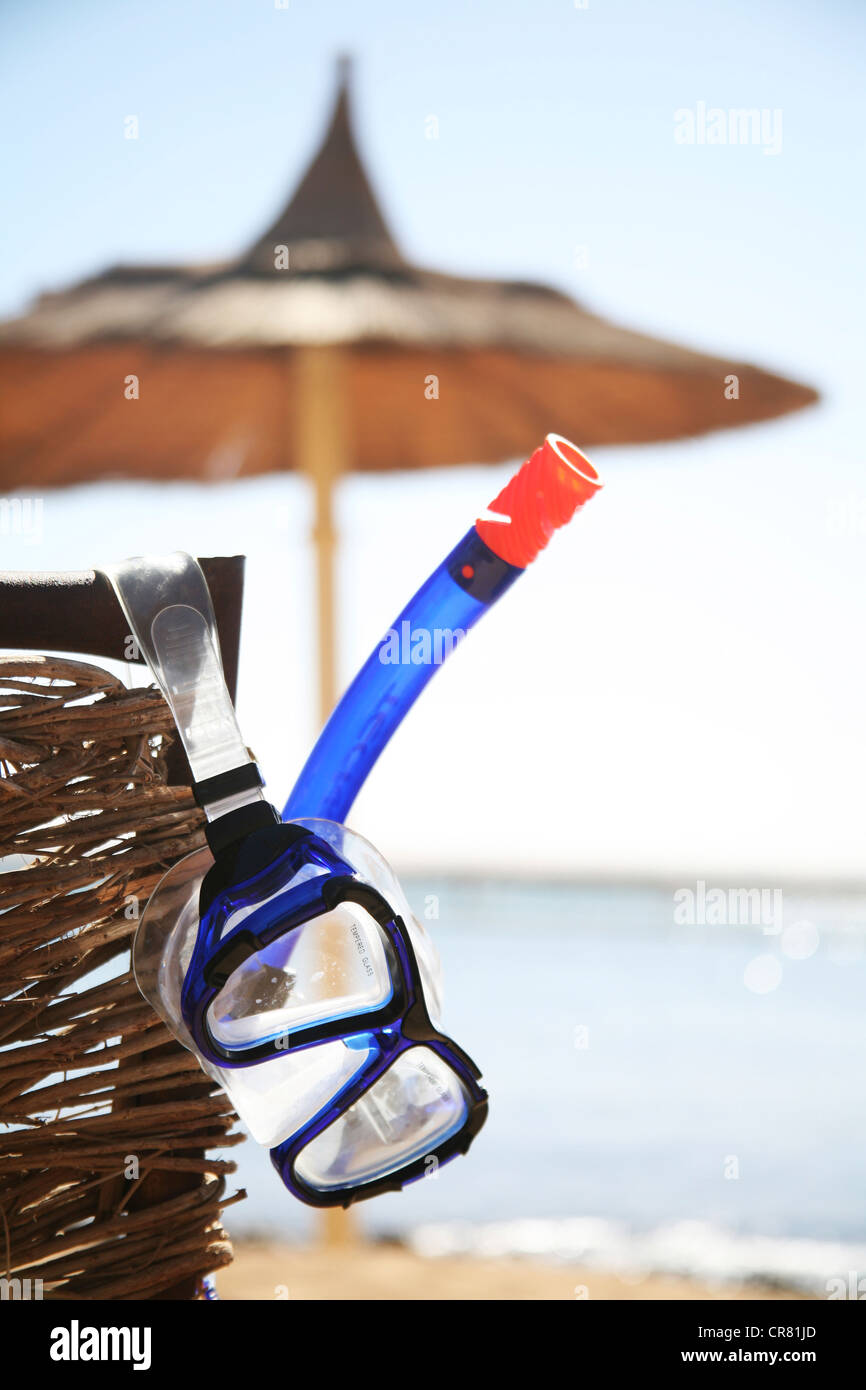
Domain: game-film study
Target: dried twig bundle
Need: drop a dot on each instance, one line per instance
(106, 1189)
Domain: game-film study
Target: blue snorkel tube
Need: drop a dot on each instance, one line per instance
(546, 492)
(450, 602)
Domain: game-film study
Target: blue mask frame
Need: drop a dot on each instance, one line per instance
(252, 869)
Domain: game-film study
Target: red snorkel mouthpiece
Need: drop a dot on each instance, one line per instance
(542, 496)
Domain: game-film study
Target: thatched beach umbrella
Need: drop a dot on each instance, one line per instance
(323, 349)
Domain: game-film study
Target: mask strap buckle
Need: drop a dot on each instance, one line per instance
(167, 603)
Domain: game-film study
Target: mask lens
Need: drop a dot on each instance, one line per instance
(283, 1093)
(339, 964)
(416, 1105)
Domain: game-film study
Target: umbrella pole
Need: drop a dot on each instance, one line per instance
(323, 454)
(325, 457)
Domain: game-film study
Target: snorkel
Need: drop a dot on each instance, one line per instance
(285, 955)
(543, 495)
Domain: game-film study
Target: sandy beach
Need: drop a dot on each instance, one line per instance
(264, 1270)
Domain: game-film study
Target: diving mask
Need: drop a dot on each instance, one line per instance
(285, 955)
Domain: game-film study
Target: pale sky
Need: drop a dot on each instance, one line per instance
(680, 679)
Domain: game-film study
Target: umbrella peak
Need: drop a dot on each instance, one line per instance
(333, 221)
